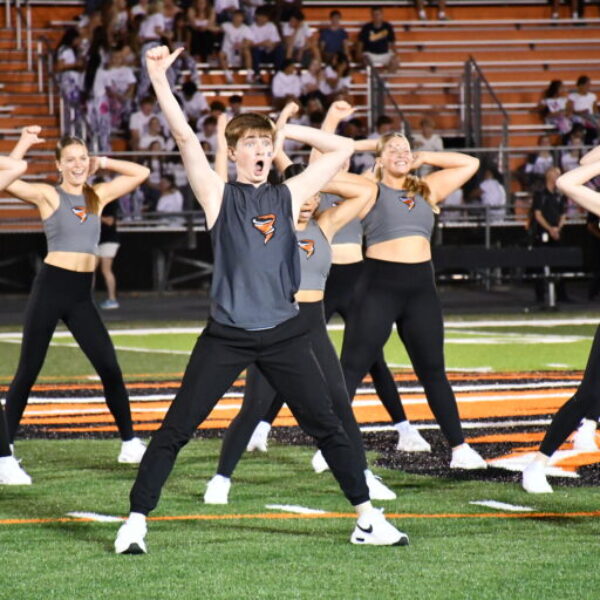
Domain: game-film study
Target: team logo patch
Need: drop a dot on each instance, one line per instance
(308, 246)
(266, 225)
(80, 212)
(408, 201)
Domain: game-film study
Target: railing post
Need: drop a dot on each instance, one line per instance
(40, 68)
(29, 42)
(7, 16)
(370, 122)
(18, 24)
(51, 85)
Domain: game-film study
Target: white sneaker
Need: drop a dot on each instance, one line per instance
(217, 490)
(584, 438)
(534, 479)
(318, 462)
(259, 440)
(12, 473)
(464, 457)
(377, 489)
(132, 451)
(130, 538)
(411, 440)
(372, 528)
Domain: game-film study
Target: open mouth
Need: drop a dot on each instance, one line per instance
(259, 167)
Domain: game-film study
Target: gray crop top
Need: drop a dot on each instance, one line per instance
(395, 215)
(315, 257)
(349, 234)
(70, 228)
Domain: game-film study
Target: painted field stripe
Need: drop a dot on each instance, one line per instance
(327, 515)
(466, 425)
(91, 516)
(501, 505)
(294, 508)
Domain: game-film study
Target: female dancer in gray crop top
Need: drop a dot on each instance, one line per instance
(11, 472)
(398, 284)
(70, 214)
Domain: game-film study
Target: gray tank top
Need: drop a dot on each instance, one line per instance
(70, 228)
(351, 233)
(315, 257)
(256, 269)
(395, 215)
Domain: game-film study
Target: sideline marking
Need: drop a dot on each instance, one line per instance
(326, 515)
(502, 505)
(294, 508)
(92, 516)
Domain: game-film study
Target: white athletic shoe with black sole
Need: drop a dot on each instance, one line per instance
(12, 473)
(411, 440)
(130, 538)
(377, 489)
(464, 457)
(372, 529)
(217, 490)
(132, 451)
(534, 479)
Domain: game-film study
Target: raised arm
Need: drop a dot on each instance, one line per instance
(282, 160)
(358, 193)
(456, 170)
(336, 150)
(338, 111)
(10, 169)
(131, 175)
(221, 152)
(206, 184)
(572, 183)
(33, 193)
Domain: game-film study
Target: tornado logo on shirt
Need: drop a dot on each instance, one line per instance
(266, 225)
(408, 201)
(308, 246)
(80, 212)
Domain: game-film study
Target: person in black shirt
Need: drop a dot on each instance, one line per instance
(108, 246)
(254, 317)
(549, 215)
(376, 42)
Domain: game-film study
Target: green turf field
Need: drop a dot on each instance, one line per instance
(458, 550)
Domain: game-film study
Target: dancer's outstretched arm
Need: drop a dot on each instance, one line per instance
(572, 183)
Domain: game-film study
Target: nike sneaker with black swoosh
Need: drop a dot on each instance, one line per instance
(373, 529)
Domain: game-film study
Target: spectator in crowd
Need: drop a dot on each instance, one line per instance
(311, 81)
(152, 30)
(208, 135)
(115, 19)
(576, 8)
(69, 68)
(533, 173)
(376, 42)
(334, 39)
(121, 82)
(204, 29)
(108, 246)
(181, 33)
(170, 11)
(491, 193)
(235, 106)
(286, 85)
(569, 159)
(217, 108)
(420, 6)
(427, 140)
(301, 44)
(249, 7)
(553, 107)
(151, 187)
(452, 202)
(266, 44)
(583, 108)
(549, 216)
(156, 135)
(140, 8)
(194, 102)
(224, 10)
(170, 200)
(235, 49)
(336, 78)
(284, 9)
(138, 122)
(383, 125)
(184, 67)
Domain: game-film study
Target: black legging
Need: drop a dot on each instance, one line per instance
(584, 403)
(4, 443)
(403, 294)
(261, 402)
(340, 292)
(62, 294)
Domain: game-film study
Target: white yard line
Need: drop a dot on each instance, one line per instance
(299, 510)
(501, 505)
(91, 516)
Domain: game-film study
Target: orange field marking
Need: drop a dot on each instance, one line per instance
(329, 515)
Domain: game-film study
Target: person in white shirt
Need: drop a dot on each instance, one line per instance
(152, 29)
(121, 82)
(155, 134)
(300, 42)
(225, 9)
(170, 200)
(138, 122)
(208, 134)
(266, 42)
(286, 85)
(69, 66)
(194, 102)
(235, 50)
(310, 80)
(492, 193)
(583, 107)
(429, 141)
(203, 27)
(553, 106)
(337, 78)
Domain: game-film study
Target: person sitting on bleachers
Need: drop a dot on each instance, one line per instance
(286, 85)
(420, 6)
(156, 135)
(235, 106)
(427, 140)
(235, 49)
(138, 122)
(121, 82)
(284, 8)
(334, 39)
(217, 108)
(203, 28)
(376, 42)
(533, 173)
(300, 43)
(115, 19)
(194, 102)
(266, 42)
(491, 193)
(311, 80)
(170, 11)
(553, 107)
(569, 159)
(576, 8)
(208, 134)
(337, 78)
(224, 10)
(582, 104)
(170, 200)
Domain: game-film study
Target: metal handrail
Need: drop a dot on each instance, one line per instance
(44, 49)
(21, 19)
